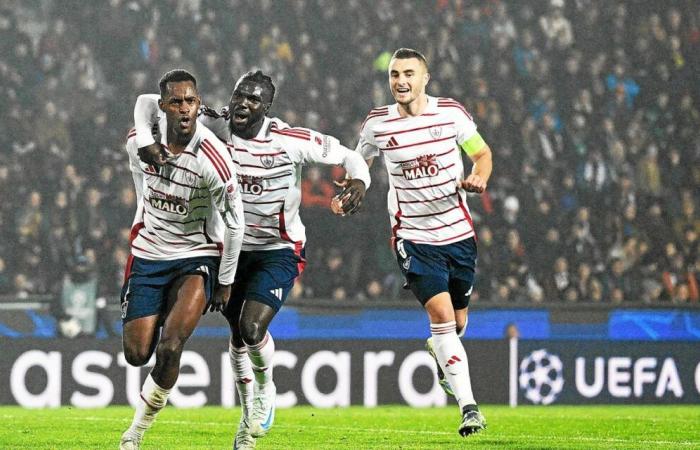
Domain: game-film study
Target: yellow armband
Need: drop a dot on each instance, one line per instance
(473, 144)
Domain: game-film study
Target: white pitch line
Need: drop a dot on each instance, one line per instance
(496, 435)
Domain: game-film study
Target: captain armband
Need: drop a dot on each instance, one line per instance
(473, 144)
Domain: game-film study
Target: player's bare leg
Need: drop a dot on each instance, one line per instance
(139, 339)
(452, 359)
(254, 321)
(186, 301)
(243, 378)
(461, 320)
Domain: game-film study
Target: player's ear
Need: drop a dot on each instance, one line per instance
(161, 105)
(426, 77)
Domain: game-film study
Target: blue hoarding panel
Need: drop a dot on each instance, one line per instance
(649, 325)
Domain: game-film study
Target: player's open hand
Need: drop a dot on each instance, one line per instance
(153, 155)
(349, 200)
(222, 292)
(473, 183)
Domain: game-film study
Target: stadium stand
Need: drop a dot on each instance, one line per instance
(591, 108)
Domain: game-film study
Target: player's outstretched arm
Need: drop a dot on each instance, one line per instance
(219, 174)
(324, 149)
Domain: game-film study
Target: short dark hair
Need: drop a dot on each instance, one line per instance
(174, 76)
(406, 53)
(259, 77)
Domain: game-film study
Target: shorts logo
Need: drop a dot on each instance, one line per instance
(422, 167)
(277, 293)
(267, 161)
(407, 263)
(435, 132)
(400, 248)
(125, 306)
(469, 292)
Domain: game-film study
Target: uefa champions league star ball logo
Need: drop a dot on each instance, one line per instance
(541, 377)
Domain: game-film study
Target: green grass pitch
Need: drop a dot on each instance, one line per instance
(390, 427)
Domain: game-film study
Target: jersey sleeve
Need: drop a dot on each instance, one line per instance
(220, 176)
(366, 146)
(216, 121)
(146, 114)
(467, 137)
(135, 167)
(137, 176)
(324, 149)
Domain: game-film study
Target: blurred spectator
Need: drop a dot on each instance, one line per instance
(559, 281)
(618, 283)
(590, 104)
(78, 299)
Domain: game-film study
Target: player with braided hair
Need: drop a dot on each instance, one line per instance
(268, 155)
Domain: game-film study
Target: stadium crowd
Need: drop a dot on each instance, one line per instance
(591, 108)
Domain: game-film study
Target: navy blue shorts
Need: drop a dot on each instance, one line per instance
(433, 269)
(145, 291)
(265, 276)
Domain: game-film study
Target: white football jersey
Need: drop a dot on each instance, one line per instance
(269, 173)
(180, 205)
(268, 169)
(424, 162)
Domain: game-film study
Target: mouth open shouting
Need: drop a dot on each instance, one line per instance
(240, 117)
(185, 124)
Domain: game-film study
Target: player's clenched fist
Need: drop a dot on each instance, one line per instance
(152, 155)
(473, 183)
(220, 298)
(350, 199)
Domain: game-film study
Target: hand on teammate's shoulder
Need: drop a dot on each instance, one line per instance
(152, 154)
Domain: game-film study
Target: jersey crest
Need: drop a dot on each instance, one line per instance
(268, 161)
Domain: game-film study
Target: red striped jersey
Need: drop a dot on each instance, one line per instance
(182, 205)
(424, 164)
(269, 173)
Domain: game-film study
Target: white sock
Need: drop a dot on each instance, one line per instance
(243, 376)
(453, 360)
(261, 359)
(153, 399)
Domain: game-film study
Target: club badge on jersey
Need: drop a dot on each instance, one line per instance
(268, 161)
